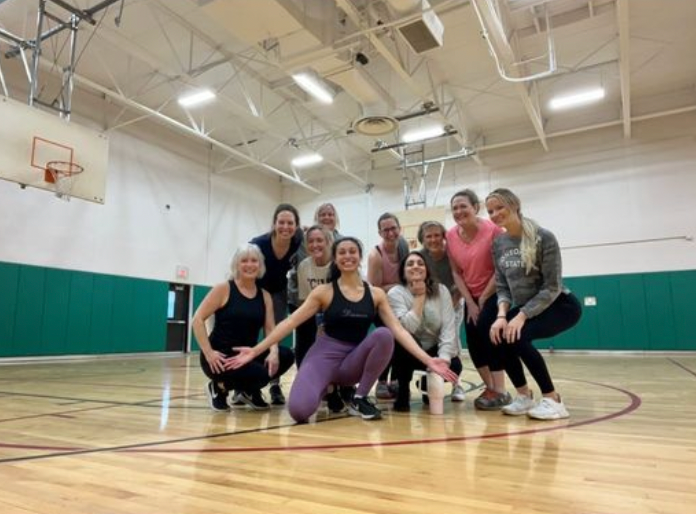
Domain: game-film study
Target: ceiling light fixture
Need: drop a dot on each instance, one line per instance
(423, 133)
(196, 98)
(306, 160)
(315, 86)
(576, 99)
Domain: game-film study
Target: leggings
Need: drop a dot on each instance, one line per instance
(478, 341)
(251, 377)
(330, 361)
(561, 315)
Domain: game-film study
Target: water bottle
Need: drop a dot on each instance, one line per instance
(436, 393)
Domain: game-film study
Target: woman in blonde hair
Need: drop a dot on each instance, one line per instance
(532, 302)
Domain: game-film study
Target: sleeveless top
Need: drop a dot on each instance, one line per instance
(349, 321)
(239, 321)
(390, 270)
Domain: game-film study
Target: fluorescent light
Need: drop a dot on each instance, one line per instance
(306, 160)
(314, 86)
(196, 98)
(576, 99)
(423, 133)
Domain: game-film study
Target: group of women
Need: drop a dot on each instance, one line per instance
(507, 271)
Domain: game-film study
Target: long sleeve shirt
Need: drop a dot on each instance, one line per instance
(533, 292)
(435, 327)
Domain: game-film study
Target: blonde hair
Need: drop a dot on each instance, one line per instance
(530, 229)
(246, 250)
(324, 206)
(328, 237)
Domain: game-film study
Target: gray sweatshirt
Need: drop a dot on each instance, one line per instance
(535, 291)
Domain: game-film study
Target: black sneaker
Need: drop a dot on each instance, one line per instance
(254, 400)
(217, 398)
(277, 396)
(334, 402)
(423, 386)
(236, 400)
(364, 408)
(347, 393)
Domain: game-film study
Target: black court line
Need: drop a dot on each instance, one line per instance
(634, 404)
(103, 404)
(135, 446)
(682, 366)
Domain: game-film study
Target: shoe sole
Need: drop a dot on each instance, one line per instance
(514, 413)
(555, 417)
(251, 404)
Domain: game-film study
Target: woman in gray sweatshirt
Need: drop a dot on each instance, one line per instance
(533, 303)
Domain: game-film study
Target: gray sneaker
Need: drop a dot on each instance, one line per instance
(521, 405)
(490, 400)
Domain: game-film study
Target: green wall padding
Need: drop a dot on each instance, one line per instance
(46, 311)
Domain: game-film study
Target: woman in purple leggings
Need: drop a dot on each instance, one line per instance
(346, 353)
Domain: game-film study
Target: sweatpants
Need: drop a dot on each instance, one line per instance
(330, 361)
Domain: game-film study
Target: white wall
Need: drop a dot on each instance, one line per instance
(134, 233)
(603, 196)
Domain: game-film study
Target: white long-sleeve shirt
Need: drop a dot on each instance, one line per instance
(435, 327)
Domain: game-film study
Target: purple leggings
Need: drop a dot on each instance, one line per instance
(330, 361)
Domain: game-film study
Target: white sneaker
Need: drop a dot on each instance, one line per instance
(457, 393)
(522, 404)
(548, 408)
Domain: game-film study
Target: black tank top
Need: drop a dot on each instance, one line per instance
(239, 321)
(349, 321)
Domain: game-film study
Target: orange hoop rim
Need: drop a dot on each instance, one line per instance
(64, 168)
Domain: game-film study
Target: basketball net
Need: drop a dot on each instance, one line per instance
(63, 175)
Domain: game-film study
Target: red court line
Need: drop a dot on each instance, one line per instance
(634, 404)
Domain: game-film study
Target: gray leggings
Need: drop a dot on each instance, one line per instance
(330, 361)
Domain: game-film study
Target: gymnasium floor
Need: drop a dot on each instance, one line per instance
(136, 436)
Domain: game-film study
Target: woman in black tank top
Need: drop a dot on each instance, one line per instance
(346, 354)
(241, 309)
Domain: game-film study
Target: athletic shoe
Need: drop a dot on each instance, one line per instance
(364, 408)
(347, 393)
(334, 402)
(217, 398)
(277, 396)
(236, 399)
(548, 408)
(254, 400)
(458, 393)
(402, 404)
(491, 400)
(522, 404)
(384, 392)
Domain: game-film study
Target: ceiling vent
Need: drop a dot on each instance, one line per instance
(375, 125)
(426, 32)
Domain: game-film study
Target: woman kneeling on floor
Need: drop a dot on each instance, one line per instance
(241, 310)
(346, 353)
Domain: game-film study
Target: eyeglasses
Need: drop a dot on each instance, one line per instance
(389, 229)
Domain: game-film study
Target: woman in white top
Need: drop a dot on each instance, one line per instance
(424, 309)
(311, 272)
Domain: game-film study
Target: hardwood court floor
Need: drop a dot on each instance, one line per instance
(136, 436)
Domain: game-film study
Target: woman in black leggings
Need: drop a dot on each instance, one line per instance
(532, 302)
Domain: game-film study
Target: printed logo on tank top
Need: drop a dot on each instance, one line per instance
(349, 313)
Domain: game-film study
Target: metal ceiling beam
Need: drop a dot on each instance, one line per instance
(185, 129)
(356, 17)
(497, 38)
(624, 64)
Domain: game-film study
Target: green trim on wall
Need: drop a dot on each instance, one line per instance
(48, 312)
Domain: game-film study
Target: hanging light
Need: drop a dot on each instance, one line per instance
(421, 133)
(312, 84)
(576, 99)
(196, 98)
(306, 160)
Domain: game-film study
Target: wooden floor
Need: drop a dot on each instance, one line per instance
(136, 436)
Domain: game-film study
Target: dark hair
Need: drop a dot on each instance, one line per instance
(429, 224)
(387, 216)
(286, 207)
(334, 272)
(469, 195)
(431, 284)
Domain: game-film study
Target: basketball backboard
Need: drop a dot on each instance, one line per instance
(30, 138)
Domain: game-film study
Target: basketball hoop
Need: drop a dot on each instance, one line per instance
(63, 174)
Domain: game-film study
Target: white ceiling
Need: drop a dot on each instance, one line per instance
(246, 50)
